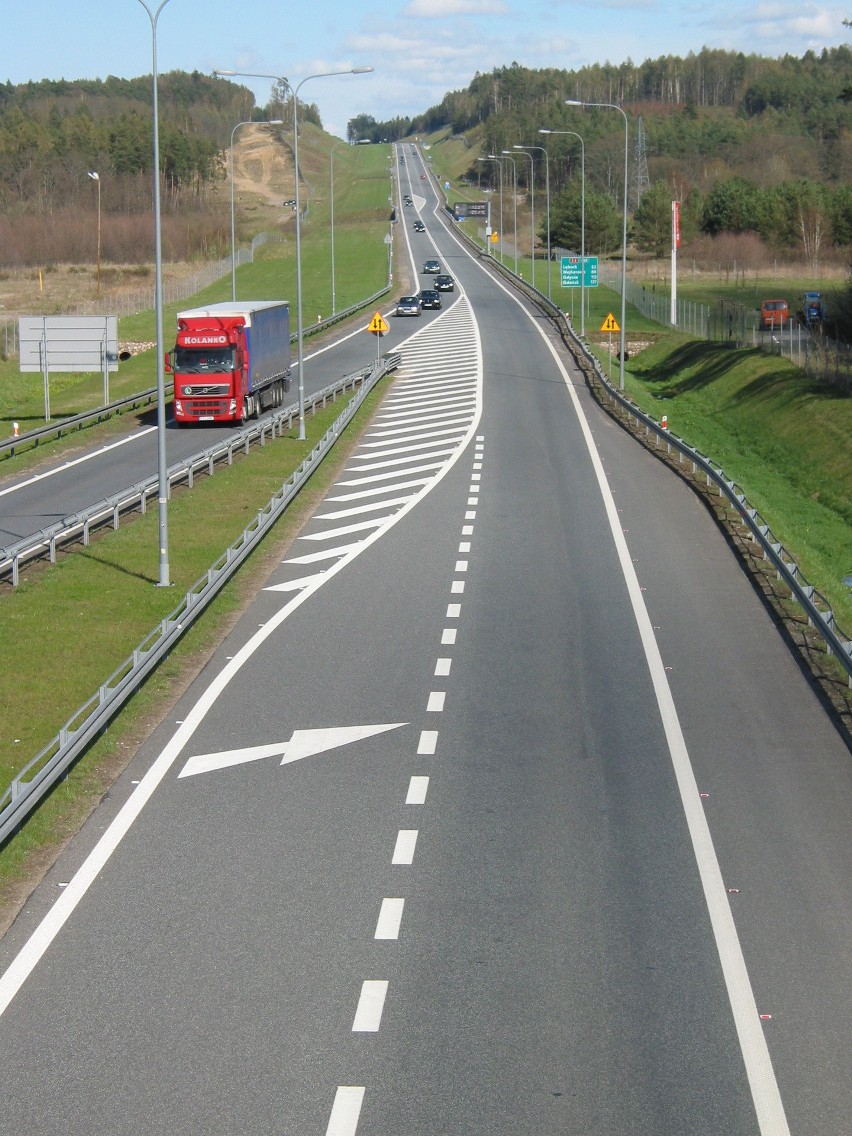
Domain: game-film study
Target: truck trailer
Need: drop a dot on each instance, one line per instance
(230, 361)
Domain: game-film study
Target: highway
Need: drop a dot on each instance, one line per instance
(67, 484)
(503, 810)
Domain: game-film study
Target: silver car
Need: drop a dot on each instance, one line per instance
(408, 306)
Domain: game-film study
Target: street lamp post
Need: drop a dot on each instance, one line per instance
(162, 469)
(299, 331)
(532, 210)
(248, 122)
(295, 98)
(510, 156)
(494, 158)
(93, 174)
(547, 198)
(574, 134)
(615, 106)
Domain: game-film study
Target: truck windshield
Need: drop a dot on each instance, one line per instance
(210, 360)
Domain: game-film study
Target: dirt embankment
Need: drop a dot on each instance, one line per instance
(262, 173)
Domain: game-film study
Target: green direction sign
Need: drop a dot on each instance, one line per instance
(570, 272)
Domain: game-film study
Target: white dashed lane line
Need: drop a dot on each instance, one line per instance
(406, 842)
(390, 918)
(374, 992)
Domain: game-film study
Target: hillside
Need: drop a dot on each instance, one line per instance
(752, 147)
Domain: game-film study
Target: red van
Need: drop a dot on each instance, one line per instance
(774, 313)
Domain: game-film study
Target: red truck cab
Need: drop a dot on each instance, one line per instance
(230, 361)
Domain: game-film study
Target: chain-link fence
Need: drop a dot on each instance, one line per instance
(731, 322)
(174, 291)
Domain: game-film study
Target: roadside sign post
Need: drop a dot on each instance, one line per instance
(579, 272)
(610, 324)
(68, 343)
(378, 327)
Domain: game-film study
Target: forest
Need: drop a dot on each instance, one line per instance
(754, 148)
(757, 150)
(53, 133)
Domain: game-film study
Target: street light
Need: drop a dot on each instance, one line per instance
(547, 198)
(615, 106)
(95, 177)
(574, 134)
(300, 334)
(532, 210)
(295, 96)
(546, 188)
(248, 122)
(494, 158)
(511, 158)
(162, 470)
(360, 142)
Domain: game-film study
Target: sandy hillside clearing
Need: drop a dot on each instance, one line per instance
(263, 169)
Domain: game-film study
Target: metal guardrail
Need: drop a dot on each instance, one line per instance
(814, 604)
(79, 526)
(36, 779)
(32, 438)
(816, 607)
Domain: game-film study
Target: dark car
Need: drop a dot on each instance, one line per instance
(419, 227)
(811, 310)
(429, 298)
(444, 283)
(408, 306)
(433, 266)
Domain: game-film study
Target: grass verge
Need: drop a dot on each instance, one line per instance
(88, 639)
(782, 436)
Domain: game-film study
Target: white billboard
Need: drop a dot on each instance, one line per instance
(68, 343)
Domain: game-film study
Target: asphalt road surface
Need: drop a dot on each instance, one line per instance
(503, 810)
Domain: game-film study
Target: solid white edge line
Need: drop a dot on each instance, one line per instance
(34, 948)
(77, 461)
(772, 1120)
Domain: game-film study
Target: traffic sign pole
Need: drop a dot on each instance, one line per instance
(378, 327)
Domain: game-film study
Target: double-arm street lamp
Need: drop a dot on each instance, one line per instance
(615, 106)
(526, 154)
(508, 154)
(574, 134)
(248, 122)
(162, 470)
(295, 90)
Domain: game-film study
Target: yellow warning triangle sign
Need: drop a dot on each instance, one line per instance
(609, 324)
(377, 324)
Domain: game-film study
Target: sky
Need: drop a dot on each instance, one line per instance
(419, 49)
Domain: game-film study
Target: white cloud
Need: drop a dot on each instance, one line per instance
(428, 10)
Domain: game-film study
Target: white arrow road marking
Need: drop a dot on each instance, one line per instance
(303, 743)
